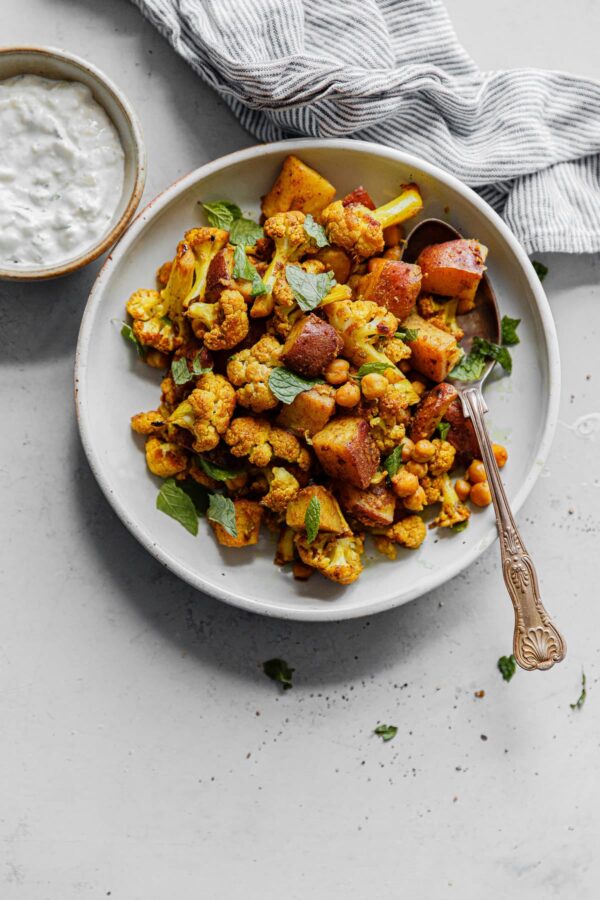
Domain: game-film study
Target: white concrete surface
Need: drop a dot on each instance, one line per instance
(144, 756)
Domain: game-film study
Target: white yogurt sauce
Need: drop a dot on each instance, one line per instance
(61, 171)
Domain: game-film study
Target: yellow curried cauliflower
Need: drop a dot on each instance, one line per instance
(337, 558)
(165, 459)
(389, 416)
(151, 323)
(260, 441)
(409, 532)
(283, 488)
(354, 228)
(151, 422)
(453, 512)
(207, 411)
(444, 457)
(286, 230)
(249, 371)
(227, 321)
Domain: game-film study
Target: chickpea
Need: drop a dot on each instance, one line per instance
(374, 386)
(416, 501)
(463, 488)
(418, 469)
(407, 449)
(500, 455)
(337, 371)
(419, 388)
(348, 395)
(423, 451)
(404, 483)
(481, 494)
(476, 472)
(394, 252)
(393, 375)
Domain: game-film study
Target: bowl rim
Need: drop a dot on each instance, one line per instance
(329, 612)
(138, 150)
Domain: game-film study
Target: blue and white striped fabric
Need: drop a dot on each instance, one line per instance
(393, 71)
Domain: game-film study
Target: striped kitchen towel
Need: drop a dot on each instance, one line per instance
(393, 71)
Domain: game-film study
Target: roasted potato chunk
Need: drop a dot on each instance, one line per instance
(219, 275)
(461, 434)
(375, 506)
(434, 352)
(310, 346)
(431, 410)
(248, 515)
(337, 261)
(359, 195)
(297, 187)
(309, 412)
(331, 521)
(347, 451)
(453, 269)
(393, 284)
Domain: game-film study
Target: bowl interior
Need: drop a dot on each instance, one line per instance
(49, 63)
(112, 385)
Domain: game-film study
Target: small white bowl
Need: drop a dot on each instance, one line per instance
(60, 65)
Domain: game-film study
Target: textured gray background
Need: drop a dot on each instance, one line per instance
(144, 755)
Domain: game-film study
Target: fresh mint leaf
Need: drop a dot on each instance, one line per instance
(216, 472)
(278, 670)
(442, 429)
(286, 385)
(309, 289)
(197, 493)
(222, 510)
(243, 269)
(387, 732)
(174, 501)
(128, 333)
(493, 351)
(507, 666)
(221, 213)
(581, 699)
(370, 368)
(540, 268)
(460, 526)
(509, 331)
(407, 334)
(393, 462)
(471, 367)
(315, 231)
(245, 232)
(180, 370)
(312, 519)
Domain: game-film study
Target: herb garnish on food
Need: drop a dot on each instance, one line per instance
(407, 334)
(392, 463)
(217, 473)
(315, 231)
(373, 367)
(181, 372)
(176, 503)
(442, 429)
(309, 289)
(278, 670)
(129, 335)
(286, 385)
(312, 519)
(243, 268)
(470, 367)
(226, 215)
(222, 510)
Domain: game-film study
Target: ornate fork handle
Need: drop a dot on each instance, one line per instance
(537, 644)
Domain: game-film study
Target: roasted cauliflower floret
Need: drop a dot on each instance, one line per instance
(260, 441)
(361, 324)
(249, 371)
(204, 244)
(286, 230)
(453, 512)
(165, 459)
(207, 411)
(152, 325)
(151, 422)
(443, 460)
(283, 488)
(337, 558)
(389, 416)
(409, 532)
(226, 321)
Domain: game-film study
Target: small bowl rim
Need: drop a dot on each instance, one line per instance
(138, 155)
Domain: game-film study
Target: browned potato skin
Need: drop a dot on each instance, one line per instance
(359, 195)
(453, 269)
(337, 261)
(298, 187)
(434, 352)
(347, 451)
(331, 521)
(309, 412)
(375, 506)
(311, 345)
(461, 434)
(248, 514)
(431, 410)
(393, 284)
(219, 275)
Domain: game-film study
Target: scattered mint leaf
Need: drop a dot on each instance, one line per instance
(309, 289)
(540, 268)
(128, 334)
(509, 331)
(387, 732)
(174, 501)
(222, 510)
(493, 351)
(369, 368)
(243, 269)
(312, 519)
(197, 493)
(181, 372)
(581, 699)
(278, 670)
(407, 334)
(216, 472)
(286, 385)
(245, 232)
(460, 526)
(393, 462)
(507, 666)
(221, 213)
(315, 231)
(470, 367)
(442, 429)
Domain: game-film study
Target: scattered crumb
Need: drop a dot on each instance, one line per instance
(483, 737)
(480, 694)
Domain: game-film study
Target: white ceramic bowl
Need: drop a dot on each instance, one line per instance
(111, 384)
(49, 62)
